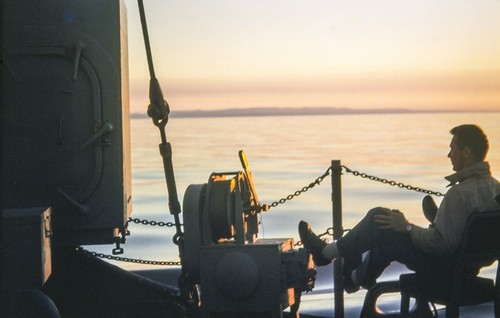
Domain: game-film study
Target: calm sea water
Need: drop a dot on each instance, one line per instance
(288, 153)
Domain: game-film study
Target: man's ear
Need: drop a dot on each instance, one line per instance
(468, 154)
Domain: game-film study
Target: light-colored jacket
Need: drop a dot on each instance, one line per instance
(472, 189)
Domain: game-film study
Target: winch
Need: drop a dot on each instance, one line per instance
(226, 267)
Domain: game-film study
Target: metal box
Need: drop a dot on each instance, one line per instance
(245, 277)
(26, 250)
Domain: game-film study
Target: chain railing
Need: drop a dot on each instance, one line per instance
(317, 181)
(392, 183)
(147, 222)
(129, 260)
(304, 189)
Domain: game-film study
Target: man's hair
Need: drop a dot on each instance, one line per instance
(473, 137)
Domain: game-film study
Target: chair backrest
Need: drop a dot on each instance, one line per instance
(481, 241)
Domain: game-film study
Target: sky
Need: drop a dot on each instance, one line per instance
(362, 54)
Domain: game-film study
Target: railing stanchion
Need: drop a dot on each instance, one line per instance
(338, 231)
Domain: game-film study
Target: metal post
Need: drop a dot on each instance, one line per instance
(338, 231)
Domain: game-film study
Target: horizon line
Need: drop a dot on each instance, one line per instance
(300, 111)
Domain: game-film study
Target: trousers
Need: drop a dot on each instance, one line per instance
(384, 247)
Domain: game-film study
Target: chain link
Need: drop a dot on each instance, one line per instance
(152, 223)
(304, 189)
(129, 260)
(392, 183)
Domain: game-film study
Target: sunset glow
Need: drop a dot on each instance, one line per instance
(359, 54)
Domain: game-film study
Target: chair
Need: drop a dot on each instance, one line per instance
(480, 247)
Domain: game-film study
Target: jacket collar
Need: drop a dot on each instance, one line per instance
(480, 169)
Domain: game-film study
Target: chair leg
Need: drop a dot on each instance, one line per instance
(405, 305)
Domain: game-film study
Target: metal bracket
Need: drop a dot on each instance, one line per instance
(105, 129)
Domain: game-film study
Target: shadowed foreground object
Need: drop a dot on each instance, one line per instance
(480, 247)
(84, 286)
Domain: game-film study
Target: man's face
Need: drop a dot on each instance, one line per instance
(456, 154)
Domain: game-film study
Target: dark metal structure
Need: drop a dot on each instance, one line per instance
(66, 182)
(226, 268)
(64, 125)
(65, 152)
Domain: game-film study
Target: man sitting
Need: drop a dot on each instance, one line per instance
(388, 236)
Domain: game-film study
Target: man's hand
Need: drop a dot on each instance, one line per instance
(391, 220)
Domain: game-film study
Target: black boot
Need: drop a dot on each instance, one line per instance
(313, 244)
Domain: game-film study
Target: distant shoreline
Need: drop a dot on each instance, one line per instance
(301, 111)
